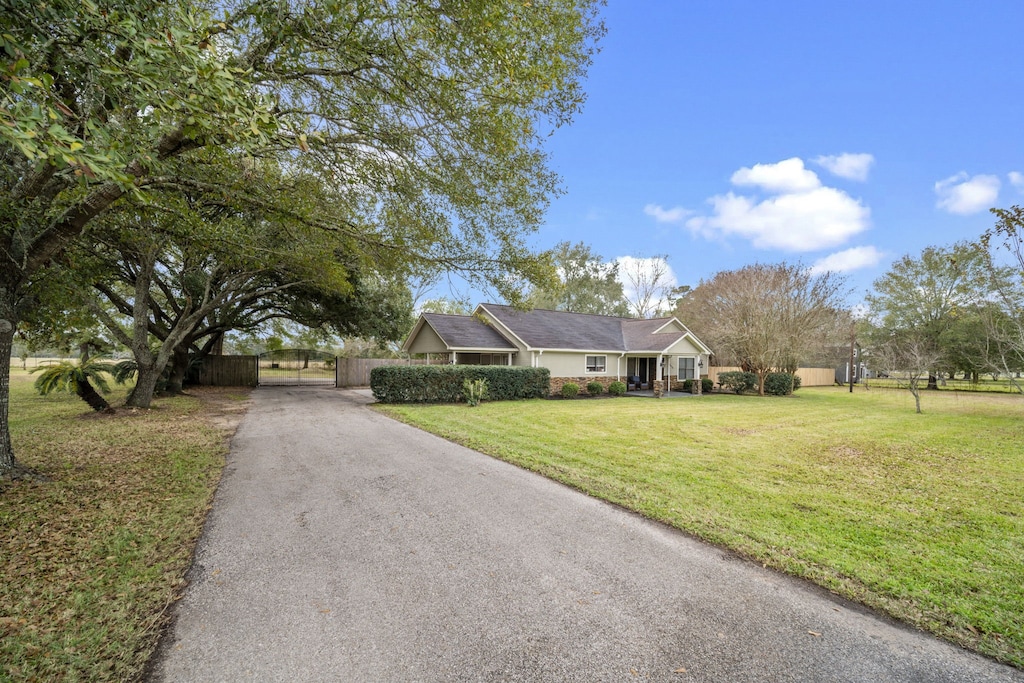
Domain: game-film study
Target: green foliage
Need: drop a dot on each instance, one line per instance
(570, 390)
(778, 383)
(595, 388)
(445, 383)
(797, 382)
(475, 390)
(585, 284)
(617, 388)
(738, 381)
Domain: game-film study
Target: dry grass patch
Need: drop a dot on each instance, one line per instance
(93, 557)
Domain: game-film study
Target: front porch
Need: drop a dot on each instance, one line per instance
(642, 371)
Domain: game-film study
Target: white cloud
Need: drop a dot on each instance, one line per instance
(962, 194)
(849, 166)
(1016, 179)
(662, 215)
(848, 260)
(805, 221)
(785, 176)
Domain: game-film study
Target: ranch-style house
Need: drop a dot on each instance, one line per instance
(576, 347)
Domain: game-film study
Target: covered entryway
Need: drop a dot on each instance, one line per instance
(297, 367)
(644, 368)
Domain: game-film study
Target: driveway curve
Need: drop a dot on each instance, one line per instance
(345, 546)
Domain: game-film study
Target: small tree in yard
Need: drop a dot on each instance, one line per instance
(907, 356)
(77, 377)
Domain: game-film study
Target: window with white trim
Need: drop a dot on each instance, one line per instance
(687, 368)
(596, 363)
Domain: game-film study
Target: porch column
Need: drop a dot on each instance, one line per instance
(510, 359)
(455, 357)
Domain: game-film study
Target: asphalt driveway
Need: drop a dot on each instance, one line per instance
(345, 546)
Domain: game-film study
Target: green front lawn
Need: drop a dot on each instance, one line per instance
(920, 516)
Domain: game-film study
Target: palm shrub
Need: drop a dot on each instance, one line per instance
(595, 388)
(474, 391)
(77, 377)
(570, 389)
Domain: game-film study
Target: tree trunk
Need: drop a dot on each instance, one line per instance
(88, 393)
(7, 322)
(145, 386)
(933, 382)
(179, 368)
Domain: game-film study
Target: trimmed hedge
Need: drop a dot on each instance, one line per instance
(595, 388)
(738, 381)
(570, 390)
(617, 388)
(444, 383)
(779, 384)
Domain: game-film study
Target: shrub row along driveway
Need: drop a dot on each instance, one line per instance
(343, 545)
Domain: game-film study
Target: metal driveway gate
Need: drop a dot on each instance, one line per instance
(297, 367)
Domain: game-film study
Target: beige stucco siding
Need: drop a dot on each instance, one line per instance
(427, 341)
(683, 347)
(568, 364)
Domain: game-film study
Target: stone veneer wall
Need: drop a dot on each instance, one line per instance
(557, 382)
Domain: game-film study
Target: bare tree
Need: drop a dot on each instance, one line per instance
(648, 284)
(907, 356)
(766, 317)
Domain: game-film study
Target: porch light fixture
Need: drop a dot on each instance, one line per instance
(700, 362)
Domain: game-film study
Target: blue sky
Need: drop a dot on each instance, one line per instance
(835, 134)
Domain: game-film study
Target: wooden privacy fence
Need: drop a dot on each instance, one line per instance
(809, 377)
(241, 371)
(355, 372)
(228, 371)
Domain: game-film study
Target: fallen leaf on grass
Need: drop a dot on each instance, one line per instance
(815, 634)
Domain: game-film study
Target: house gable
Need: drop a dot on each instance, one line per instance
(438, 333)
(424, 339)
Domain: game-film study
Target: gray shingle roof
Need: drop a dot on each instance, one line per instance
(467, 332)
(546, 329)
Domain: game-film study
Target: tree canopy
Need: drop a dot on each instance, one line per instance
(422, 124)
(585, 283)
(926, 298)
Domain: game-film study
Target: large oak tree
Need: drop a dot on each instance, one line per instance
(426, 119)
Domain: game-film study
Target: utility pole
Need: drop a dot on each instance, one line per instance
(853, 340)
